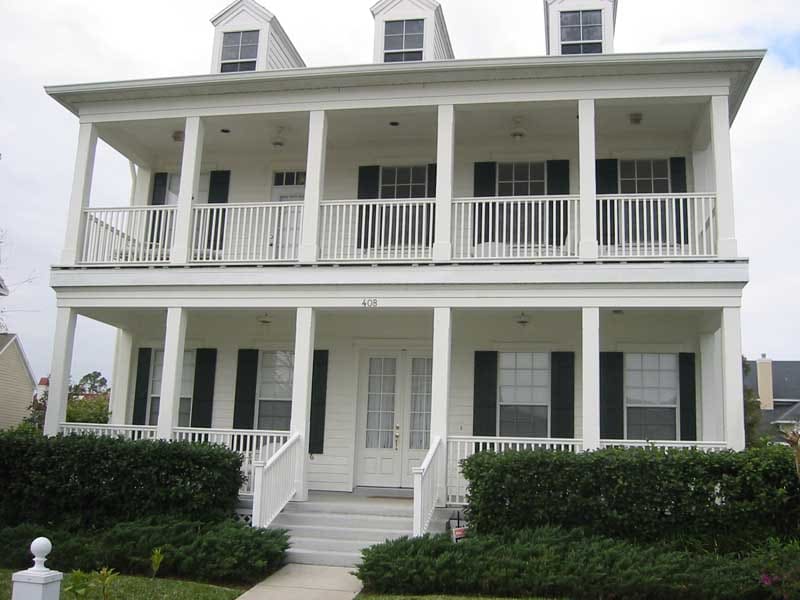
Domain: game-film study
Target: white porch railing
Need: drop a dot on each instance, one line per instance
(275, 481)
(426, 482)
(129, 432)
(254, 445)
(657, 226)
(231, 233)
(376, 230)
(665, 445)
(461, 447)
(515, 228)
(131, 235)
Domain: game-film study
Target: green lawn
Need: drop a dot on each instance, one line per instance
(142, 588)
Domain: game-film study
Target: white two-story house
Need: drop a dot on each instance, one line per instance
(356, 276)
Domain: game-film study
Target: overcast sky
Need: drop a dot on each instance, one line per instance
(76, 41)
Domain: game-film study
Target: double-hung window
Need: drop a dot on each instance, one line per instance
(420, 413)
(403, 40)
(649, 176)
(274, 395)
(239, 51)
(521, 179)
(404, 182)
(187, 388)
(651, 396)
(524, 394)
(582, 32)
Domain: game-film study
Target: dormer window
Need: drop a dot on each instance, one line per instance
(403, 40)
(582, 32)
(239, 51)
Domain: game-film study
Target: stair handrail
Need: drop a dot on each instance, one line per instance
(276, 481)
(426, 483)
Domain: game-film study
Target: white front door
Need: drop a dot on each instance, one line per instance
(394, 417)
(288, 187)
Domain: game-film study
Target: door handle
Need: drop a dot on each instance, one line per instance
(396, 438)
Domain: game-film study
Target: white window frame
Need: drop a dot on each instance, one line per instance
(620, 178)
(259, 376)
(237, 61)
(513, 180)
(151, 395)
(627, 405)
(395, 184)
(403, 50)
(582, 41)
(295, 189)
(549, 403)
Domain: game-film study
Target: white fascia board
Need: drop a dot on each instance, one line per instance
(251, 6)
(72, 96)
(384, 5)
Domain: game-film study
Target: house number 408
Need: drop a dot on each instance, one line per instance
(369, 303)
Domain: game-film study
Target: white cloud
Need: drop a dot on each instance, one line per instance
(85, 40)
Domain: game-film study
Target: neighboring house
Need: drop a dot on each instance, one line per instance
(776, 384)
(17, 383)
(381, 268)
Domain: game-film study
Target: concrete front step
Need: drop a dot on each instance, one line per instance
(288, 520)
(308, 556)
(329, 544)
(383, 509)
(374, 536)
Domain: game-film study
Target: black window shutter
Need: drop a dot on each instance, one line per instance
(159, 195)
(426, 236)
(319, 389)
(558, 185)
(607, 182)
(562, 394)
(432, 180)
(484, 409)
(612, 396)
(142, 386)
(677, 174)
(218, 187)
(484, 186)
(205, 368)
(244, 404)
(368, 189)
(686, 365)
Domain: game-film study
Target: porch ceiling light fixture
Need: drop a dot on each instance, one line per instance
(518, 132)
(224, 130)
(635, 118)
(177, 136)
(522, 320)
(265, 320)
(394, 123)
(278, 142)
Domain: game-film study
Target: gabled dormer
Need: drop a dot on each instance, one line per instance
(580, 26)
(410, 31)
(247, 37)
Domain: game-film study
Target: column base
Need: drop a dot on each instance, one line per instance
(308, 253)
(727, 248)
(442, 252)
(588, 250)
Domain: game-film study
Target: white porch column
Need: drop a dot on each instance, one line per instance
(193, 135)
(590, 376)
(305, 326)
(588, 206)
(723, 175)
(60, 367)
(172, 373)
(711, 403)
(440, 391)
(733, 393)
(81, 190)
(445, 145)
(144, 182)
(121, 377)
(315, 185)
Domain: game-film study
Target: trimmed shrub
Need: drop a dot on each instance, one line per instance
(222, 552)
(553, 562)
(94, 482)
(722, 500)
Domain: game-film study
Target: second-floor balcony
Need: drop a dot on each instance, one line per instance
(525, 183)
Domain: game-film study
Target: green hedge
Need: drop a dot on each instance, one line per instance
(92, 481)
(556, 563)
(719, 500)
(220, 552)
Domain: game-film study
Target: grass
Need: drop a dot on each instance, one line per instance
(143, 588)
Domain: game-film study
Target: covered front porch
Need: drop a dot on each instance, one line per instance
(349, 398)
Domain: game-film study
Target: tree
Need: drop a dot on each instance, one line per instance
(87, 402)
(91, 383)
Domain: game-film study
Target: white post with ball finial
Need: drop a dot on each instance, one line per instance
(38, 582)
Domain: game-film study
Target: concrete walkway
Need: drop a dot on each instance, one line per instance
(306, 582)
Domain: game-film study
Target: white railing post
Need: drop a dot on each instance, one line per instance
(174, 342)
(315, 184)
(445, 146)
(301, 389)
(60, 367)
(588, 208)
(590, 376)
(417, 525)
(194, 133)
(38, 582)
(81, 191)
(258, 492)
(723, 174)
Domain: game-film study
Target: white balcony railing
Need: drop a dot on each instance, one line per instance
(665, 445)
(132, 235)
(376, 230)
(275, 481)
(128, 432)
(426, 481)
(515, 228)
(657, 226)
(246, 233)
(461, 447)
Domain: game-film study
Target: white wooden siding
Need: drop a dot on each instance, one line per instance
(16, 387)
